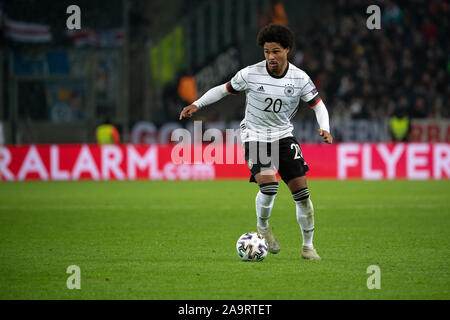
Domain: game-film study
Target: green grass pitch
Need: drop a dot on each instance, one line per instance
(176, 240)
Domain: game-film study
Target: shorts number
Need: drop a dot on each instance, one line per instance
(298, 151)
(276, 105)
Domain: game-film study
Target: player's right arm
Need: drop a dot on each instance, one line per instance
(234, 86)
(211, 96)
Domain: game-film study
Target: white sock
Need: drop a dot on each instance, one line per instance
(264, 205)
(305, 218)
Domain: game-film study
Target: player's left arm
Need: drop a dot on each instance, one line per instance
(322, 118)
(310, 95)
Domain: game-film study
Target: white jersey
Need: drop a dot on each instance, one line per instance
(271, 102)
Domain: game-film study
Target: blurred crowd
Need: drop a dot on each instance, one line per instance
(402, 68)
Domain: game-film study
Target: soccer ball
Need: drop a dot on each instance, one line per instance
(251, 246)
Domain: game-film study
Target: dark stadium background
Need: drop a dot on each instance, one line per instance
(128, 68)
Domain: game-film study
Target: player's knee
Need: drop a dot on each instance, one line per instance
(301, 195)
(270, 189)
(305, 207)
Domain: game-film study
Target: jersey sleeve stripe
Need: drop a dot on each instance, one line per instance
(230, 88)
(314, 101)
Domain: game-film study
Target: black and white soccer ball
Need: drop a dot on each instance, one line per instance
(251, 246)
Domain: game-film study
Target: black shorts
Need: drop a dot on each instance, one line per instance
(262, 155)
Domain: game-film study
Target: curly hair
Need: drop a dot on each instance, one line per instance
(276, 33)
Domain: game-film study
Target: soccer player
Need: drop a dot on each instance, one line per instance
(273, 89)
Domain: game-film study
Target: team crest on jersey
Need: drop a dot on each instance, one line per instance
(289, 90)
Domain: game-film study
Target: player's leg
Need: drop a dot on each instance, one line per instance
(263, 174)
(304, 208)
(268, 188)
(305, 215)
(293, 170)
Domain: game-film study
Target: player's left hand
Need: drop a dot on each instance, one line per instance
(327, 137)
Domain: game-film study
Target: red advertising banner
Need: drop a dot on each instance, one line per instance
(429, 130)
(176, 162)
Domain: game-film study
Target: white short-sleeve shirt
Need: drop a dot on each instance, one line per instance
(271, 101)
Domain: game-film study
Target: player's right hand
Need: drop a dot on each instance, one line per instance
(188, 111)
